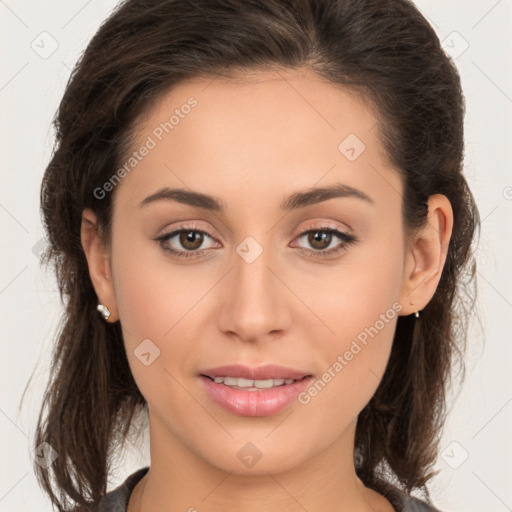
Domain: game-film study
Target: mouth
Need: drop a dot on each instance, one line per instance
(254, 391)
(255, 373)
(252, 384)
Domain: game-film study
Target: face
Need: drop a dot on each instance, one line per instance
(273, 274)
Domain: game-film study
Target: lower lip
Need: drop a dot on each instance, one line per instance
(263, 402)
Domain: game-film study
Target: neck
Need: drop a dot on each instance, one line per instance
(179, 480)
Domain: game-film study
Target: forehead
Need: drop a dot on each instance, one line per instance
(290, 129)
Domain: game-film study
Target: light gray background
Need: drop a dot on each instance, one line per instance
(31, 85)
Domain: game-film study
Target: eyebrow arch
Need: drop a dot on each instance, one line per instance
(297, 200)
(186, 197)
(318, 195)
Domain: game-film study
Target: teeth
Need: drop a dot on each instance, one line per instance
(250, 385)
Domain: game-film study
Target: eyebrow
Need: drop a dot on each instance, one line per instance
(297, 200)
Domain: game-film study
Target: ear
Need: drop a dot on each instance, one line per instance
(98, 261)
(426, 256)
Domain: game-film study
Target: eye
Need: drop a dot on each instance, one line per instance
(321, 239)
(186, 241)
(189, 238)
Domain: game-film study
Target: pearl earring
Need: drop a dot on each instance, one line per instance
(103, 310)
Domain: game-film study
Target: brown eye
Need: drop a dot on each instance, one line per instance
(319, 240)
(191, 240)
(186, 242)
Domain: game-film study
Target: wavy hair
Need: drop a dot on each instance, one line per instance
(385, 51)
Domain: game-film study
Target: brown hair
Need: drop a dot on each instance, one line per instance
(383, 49)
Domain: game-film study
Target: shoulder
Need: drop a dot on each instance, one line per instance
(412, 504)
(117, 499)
(403, 502)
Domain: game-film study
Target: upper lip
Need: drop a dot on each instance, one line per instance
(264, 372)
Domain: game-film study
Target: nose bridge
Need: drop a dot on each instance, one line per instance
(251, 265)
(253, 305)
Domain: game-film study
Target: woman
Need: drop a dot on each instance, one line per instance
(259, 223)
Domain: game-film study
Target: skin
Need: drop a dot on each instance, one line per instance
(252, 143)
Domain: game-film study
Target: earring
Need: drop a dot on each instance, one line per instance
(103, 310)
(417, 314)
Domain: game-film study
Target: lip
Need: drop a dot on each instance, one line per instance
(264, 372)
(265, 402)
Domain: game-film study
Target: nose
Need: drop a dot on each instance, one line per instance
(254, 301)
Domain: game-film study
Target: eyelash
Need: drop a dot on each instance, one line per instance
(346, 238)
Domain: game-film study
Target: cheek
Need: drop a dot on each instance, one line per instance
(353, 295)
(353, 365)
(159, 304)
(360, 307)
(153, 292)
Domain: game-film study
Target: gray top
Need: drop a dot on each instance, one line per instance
(117, 499)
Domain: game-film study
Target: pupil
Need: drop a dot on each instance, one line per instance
(191, 239)
(322, 237)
